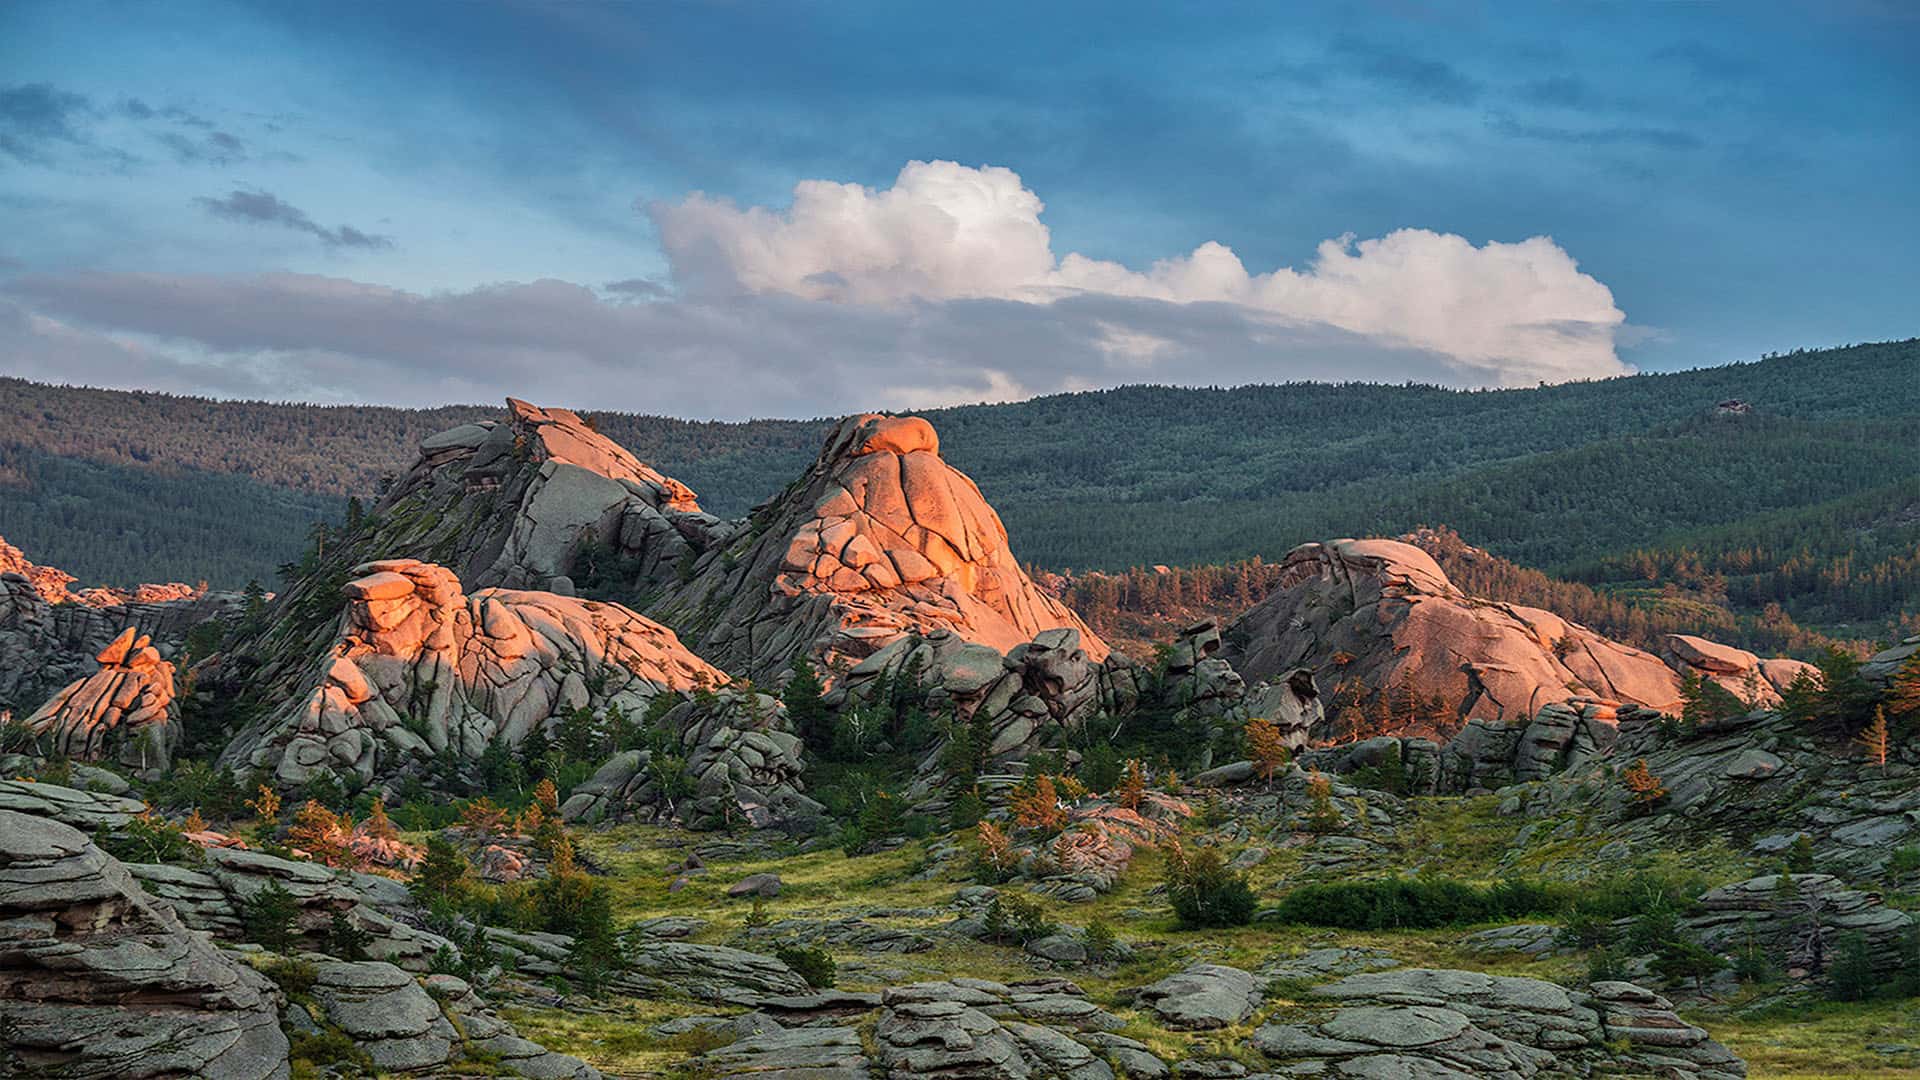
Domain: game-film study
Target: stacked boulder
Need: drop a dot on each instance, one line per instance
(878, 540)
(1752, 679)
(419, 668)
(50, 637)
(125, 712)
(99, 980)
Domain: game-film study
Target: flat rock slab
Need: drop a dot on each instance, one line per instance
(1203, 997)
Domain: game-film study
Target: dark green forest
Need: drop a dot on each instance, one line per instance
(1807, 501)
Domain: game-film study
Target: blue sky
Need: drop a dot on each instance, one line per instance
(426, 202)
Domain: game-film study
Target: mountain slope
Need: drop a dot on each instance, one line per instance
(1562, 477)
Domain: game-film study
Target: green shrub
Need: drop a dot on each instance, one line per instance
(1100, 941)
(1686, 960)
(811, 963)
(1604, 965)
(966, 811)
(1204, 892)
(295, 978)
(150, 839)
(1017, 919)
(333, 1050)
(1851, 977)
(1389, 903)
(345, 940)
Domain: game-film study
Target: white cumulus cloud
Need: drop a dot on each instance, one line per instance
(1500, 313)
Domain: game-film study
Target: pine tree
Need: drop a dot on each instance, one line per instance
(441, 875)
(1266, 745)
(806, 709)
(1874, 739)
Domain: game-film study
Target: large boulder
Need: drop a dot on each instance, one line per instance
(418, 668)
(1204, 996)
(879, 539)
(99, 980)
(1379, 619)
(126, 711)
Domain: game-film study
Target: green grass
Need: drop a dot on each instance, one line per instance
(1460, 838)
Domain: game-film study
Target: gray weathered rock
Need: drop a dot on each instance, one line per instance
(1424, 1022)
(99, 980)
(1203, 996)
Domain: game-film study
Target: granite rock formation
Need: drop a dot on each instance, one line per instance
(99, 980)
(512, 505)
(419, 668)
(878, 540)
(46, 644)
(124, 712)
(1380, 614)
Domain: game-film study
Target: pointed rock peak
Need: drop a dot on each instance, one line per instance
(562, 435)
(880, 539)
(118, 649)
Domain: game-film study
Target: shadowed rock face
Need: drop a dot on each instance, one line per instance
(514, 504)
(879, 539)
(97, 980)
(418, 667)
(124, 710)
(1380, 613)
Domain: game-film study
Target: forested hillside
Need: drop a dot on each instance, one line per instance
(1806, 499)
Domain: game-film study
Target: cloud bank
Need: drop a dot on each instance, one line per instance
(942, 288)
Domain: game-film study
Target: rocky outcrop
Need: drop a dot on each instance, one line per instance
(740, 763)
(419, 668)
(1423, 1022)
(1380, 614)
(878, 540)
(1760, 778)
(1561, 737)
(212, 897)
(55, 585)
(1754, 680)
(515, 504)
(124, 712)
(46, 645)
(99, 980)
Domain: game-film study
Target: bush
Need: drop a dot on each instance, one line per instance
(149, 839)
(345, 940)
(1389, 903)
(1016, 919)
(1604, 965)
(1205, 893)
(332, 1050)
(811, 963)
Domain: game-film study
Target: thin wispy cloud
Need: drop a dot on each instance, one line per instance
(265, 208)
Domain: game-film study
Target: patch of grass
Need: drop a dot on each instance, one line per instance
(1821, 1040)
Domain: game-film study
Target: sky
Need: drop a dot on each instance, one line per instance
(725, 210)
